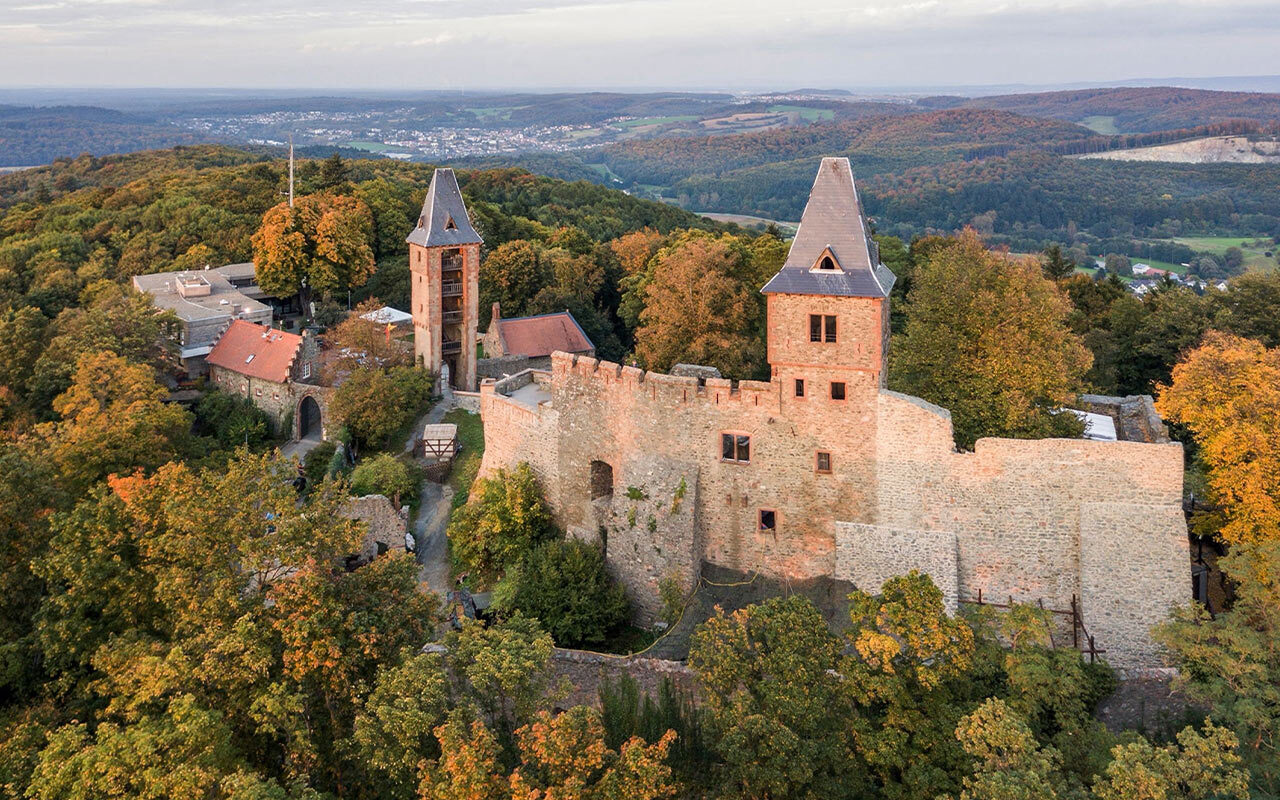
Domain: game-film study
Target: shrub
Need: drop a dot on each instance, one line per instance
(564, 584)
(383, 474)
(505, 518)
(232, 420)
(315, 464)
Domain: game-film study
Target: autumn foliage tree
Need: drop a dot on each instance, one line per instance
(322, 244)
(987, 338)
(1227, 391)
(702, 303)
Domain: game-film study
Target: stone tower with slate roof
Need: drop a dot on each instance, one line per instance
(444, 265)
(828, 307)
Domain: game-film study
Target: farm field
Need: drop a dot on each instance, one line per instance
(1104, 125)
(647, 121)
(370, 147)
(1255, 249)
(756, 223)
(806, 113)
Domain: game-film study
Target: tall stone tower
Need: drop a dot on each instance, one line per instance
(828, 307)
(444, 264)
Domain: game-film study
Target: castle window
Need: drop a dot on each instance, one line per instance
(823, 463)
(799, 387)
(826, 263)
(601, 479)
(735, 447)
(306, 370)
(822, 328)
(768, 520)
(837, 390)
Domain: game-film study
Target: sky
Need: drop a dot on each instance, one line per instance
(627, 44)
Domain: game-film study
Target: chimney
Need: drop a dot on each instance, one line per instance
(497, 314)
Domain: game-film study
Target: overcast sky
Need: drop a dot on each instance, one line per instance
(457, 44)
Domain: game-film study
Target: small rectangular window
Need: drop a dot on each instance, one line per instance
(306, 370)
(829, 325)
(815, 327)
(735, 447)
(824, 462)
(837, 390)
(799, 387)
(768, 519)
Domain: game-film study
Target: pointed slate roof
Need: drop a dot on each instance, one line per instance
(833, 220)
(444, 221)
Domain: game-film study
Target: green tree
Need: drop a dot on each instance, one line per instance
(1118, 264)
(1011, 765)
(1250, 307)
(393, 731)
(321, 244)
(503, 520)
(27, 498)
(232, 420)
(115, 320)
(186, 752)
(333, 172)
(22, 339)
(374, 404)
(1056, 266)
(1229, 662)
(565, 586)
(987, 338)
(512, 275)
(776, 715)
(383, 474)
(503, 670)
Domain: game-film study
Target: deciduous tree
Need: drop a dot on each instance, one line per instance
(322, 244)
(503, 520)
(1227, 391)
(987, 338)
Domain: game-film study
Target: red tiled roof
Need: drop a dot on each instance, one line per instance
(256, 351)
(543, 335)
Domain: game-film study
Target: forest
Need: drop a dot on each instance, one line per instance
(179, 618)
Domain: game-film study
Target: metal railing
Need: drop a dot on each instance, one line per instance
(450, 346)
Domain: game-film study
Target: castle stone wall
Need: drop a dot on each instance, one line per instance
(1035, 520)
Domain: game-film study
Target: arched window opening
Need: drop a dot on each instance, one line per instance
(601, 479)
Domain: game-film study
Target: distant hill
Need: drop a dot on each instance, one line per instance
(1132, 110)
(31, 136)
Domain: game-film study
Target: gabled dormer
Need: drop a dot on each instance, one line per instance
(827, 263)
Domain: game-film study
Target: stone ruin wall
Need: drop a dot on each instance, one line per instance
(1034, 519)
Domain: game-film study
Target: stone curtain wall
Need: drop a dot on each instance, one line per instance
(1045, 519)
(1036, 520)
(868, 555)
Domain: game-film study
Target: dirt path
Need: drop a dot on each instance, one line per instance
(433, 517)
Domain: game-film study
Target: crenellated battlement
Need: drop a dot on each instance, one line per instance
(576, 374)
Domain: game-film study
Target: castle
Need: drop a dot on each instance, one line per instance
(822, 471)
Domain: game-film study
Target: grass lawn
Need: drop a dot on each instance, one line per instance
(467, 463)
(1104, 125)
(1165, 265)
(806, 113)
(1255, 248)
(639, 123)
(371, 147)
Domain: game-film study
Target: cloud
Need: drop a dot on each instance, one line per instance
(678, 43)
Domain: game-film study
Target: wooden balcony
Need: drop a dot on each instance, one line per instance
(451, 316)
(450, 346)
(451, 288)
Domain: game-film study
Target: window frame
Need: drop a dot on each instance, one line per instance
(734, 439)
(799, 388)
(760, 526)
(844, 391)
(817, 462)
(829, 329)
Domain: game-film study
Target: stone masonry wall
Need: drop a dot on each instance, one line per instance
(1036, 520)
(868, 555)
